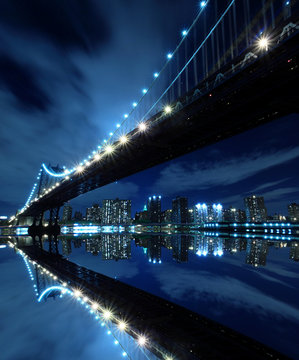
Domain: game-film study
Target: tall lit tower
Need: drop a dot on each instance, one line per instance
(154, 209)
(180, 212)
(255, 208)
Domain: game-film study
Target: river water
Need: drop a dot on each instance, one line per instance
(250, 285)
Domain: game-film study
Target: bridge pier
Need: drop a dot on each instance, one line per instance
(52, 228)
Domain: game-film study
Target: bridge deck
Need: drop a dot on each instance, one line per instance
(171, 328)
(260, 92)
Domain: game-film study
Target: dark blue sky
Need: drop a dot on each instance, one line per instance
(68, 74)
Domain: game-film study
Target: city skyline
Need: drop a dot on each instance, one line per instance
(225, 171)
(149, 198)
(158, 213)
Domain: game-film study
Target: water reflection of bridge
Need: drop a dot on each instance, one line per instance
(169, 329)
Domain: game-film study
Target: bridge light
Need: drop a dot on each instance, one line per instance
(111, 133)
(142, 126)
(184, 32)
(77, 293)
(126, 116)
(203, 4)
(95, 306)
(168, 109)
(107, 314)
(134, 104)
(109, 149)
(122, 326)
(123, 139)
(124, 354)
(141, 340)
(67, 178)
(97, 157)
(263, 43)
(169, 55)
(169, 358)
(118, 125)
(79, 169)
(144, 91)
(156, 74)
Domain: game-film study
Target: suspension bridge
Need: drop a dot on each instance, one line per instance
(235, 67)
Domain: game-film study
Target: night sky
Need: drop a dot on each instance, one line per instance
(68, 73)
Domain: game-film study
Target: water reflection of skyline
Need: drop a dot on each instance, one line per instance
(117, 246)
(213, 275)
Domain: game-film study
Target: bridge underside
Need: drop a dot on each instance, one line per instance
(261, 92)
(170, 328)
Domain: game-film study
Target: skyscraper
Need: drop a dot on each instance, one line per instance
(67, 213)
(66, 246)
(180, 212)
(116, 212)
(116, 246)
(78, 215)
(154, 251)
(293, 210)
(234, 215)
(208, 213)
(256, 252)
(255, 208)
(294, 251)
(180, 245)
(166, 216)
(93, 213)
(154, 209)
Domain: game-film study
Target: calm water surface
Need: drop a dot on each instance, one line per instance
(249, 285)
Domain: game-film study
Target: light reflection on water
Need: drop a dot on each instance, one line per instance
(249, 284)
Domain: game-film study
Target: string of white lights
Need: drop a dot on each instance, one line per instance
(107, 148)
(123, 138)
(104, 315)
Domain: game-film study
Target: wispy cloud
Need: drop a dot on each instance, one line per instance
(224, 289)
(121, 190)
(205, 175)
(269, 196)
(268, 185)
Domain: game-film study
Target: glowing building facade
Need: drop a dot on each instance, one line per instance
(116, 212)
(208, 213)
